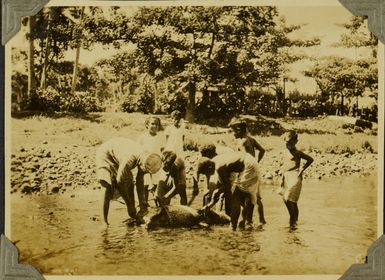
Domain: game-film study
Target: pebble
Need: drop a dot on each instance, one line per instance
(55, 189)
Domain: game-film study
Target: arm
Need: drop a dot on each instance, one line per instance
(195, 182)
(216, 195)
(261, 150)
(309, 161)
(123, 169)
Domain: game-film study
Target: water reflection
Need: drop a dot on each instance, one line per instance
(57, 222)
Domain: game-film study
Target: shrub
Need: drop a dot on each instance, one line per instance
(128, 106)
(50, 100)
(172, 101)
(80, 102)
(47, 100)
(138, 103)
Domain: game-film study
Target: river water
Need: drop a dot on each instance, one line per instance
(65, 235)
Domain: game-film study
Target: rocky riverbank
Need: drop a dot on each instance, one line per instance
(54, 171)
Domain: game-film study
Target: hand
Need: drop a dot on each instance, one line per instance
(203, 211)
(153, 189)
(195, 191)
(163, 201)
(300, 175)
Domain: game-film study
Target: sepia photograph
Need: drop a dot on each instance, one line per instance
(189, 139)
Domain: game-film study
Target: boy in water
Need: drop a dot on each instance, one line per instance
(115, 160)
(209, 151)
(243, 189)
(154, 142)
(174, 182)
(248, 144)
(292, 175)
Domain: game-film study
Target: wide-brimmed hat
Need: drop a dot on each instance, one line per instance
(152, 163)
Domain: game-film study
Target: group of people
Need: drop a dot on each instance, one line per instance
(232, 174)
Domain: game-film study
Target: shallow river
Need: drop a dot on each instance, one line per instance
(64, 234)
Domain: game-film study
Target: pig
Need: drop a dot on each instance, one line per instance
(173, 216)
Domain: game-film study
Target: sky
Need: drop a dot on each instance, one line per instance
(323, 22)
(320, 21)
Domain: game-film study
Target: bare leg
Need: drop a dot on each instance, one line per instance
(228, 199)
(236, 208)
(140, 190)
(146, 192)
(290, 207)
(296, 211)
(182, 193)
(260, 210)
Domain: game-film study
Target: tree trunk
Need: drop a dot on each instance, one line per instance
(45, 64)
(31, 64)
(78, 44)
(342, 105)
(190, 108)
(155, 94)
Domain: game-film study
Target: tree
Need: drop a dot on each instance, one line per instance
(31, 60)
(339, 76)
(342, 77)
(358, 35)
(230, 48)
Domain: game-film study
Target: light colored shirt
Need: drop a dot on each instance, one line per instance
(175, 139)
(118, 156)
(152, 143)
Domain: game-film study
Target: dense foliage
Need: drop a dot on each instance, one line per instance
(204, 61)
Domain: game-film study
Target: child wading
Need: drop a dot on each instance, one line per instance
(248, 144)
(292, 176)
(174, 182)
(152, 141)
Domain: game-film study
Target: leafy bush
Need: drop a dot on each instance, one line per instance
(80, 103)
(47, 100)
(144, 103)
(128, 105)
(138, 103)
(305, 108)
(172, 101)
(50, 100)
(259, 102)
(19, 90)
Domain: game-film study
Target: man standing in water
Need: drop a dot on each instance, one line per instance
(115, 160)
(292, 175)
(248, 144)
